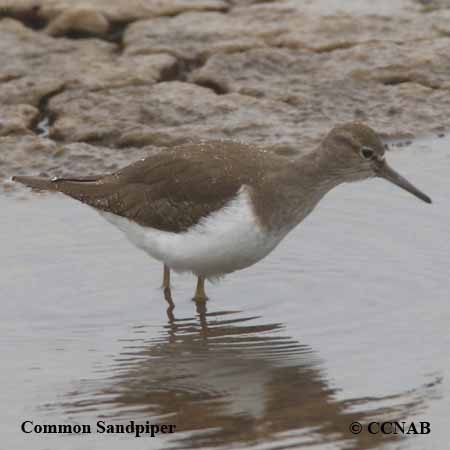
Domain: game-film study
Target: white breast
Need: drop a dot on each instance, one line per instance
(227, 240)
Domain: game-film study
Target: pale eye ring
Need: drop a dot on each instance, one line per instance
(367, 153)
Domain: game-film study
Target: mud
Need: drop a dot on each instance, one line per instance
(129, 75)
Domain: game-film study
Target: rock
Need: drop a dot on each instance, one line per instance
(432, 5)
(65, 63)
(98, 17)
(327, 32)
(281, 74)
(190, 36)
(23, 155)
(28, 90)
(427, 64)
(171, 113)
(130, 10)
(195, 37)
(81, 20)
(17, 119)
(361, 83)
(322, 8)
(159, 73)
(441, 22)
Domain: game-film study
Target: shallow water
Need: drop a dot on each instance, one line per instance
(346, 321)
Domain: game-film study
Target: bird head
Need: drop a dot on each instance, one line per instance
(359, 153)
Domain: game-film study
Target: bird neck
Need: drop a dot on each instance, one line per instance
(316, 172)
(306, 180)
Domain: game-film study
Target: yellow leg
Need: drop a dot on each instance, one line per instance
(166, 278)
(200, 294)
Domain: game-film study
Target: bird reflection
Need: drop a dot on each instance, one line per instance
(225, 379)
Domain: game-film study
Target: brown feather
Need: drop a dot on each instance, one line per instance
(174, 189)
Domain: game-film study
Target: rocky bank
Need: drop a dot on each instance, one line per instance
(88, 86)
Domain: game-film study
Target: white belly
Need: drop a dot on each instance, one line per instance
(225, 241)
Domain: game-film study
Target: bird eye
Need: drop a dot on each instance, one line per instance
(367, 152)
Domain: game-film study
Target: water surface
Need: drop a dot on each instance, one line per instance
(346, 321)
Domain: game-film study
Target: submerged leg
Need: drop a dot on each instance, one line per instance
(200, 294)
(166, 278)
(171, 307)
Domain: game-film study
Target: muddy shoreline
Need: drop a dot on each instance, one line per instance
(88, 87)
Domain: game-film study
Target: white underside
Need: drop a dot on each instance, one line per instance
(227, 240)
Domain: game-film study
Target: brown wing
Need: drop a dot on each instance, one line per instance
(170, 191)
(169, 195)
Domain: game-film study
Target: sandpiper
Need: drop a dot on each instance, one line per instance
(216, 207)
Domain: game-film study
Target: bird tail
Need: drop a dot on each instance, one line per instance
(74, 187)
(41, 183)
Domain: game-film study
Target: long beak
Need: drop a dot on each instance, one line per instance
(388, 173)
